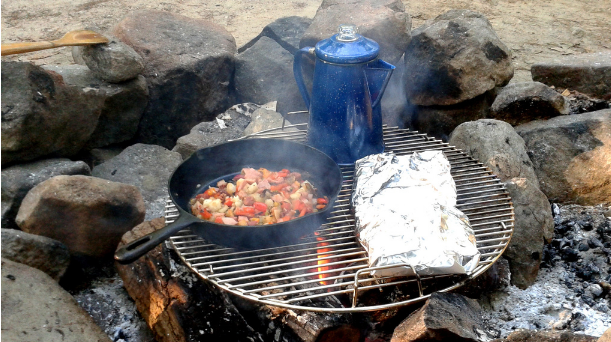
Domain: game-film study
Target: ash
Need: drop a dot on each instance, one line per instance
(114, 311)
(572, 290)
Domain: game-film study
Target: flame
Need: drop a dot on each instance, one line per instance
(321, 260)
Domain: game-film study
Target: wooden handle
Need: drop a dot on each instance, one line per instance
(14, 48)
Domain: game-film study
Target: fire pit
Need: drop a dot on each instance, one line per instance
(327, 271)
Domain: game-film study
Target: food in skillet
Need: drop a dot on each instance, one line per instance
(258, 197)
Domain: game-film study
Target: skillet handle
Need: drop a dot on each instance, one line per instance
(137, 248)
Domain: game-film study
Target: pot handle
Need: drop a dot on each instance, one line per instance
(298, 73)
(137, 248)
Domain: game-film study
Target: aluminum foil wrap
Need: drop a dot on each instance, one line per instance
(405, 214)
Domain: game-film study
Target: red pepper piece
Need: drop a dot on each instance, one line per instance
(260, 207)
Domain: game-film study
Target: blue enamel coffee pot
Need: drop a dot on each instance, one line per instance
(349, 80)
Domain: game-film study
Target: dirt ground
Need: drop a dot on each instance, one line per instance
(536, 30)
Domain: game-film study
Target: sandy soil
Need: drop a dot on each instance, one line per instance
(536, 30)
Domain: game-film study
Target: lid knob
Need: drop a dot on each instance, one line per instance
(347, 33)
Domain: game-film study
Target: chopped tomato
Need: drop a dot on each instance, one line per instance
(297, 205)
(283, 173)
(218, 219)
(228, 202)
(205, 214)
(208, 193)
(245, 211)
(260, 207)
(322, 201)
(278, 187)
(286, 206)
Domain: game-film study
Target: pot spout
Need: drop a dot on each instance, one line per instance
(378, 74)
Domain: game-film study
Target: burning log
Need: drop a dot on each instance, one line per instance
(175, 304)
(179, 306)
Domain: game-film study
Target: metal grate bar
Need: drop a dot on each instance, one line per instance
(289, 276)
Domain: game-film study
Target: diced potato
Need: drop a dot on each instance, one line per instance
(251, 189)
(269, 203)
(230, 188)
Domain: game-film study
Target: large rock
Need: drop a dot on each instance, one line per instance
(456, 57)
(228, 125)
(499, 147)
(88, 214)
(148, 168)
(444, 317)
(188, 66)
(47, 255)
(518, 103)
(286, 31)
(36, 308)
(440, 121)
(533, 226)
(386, 22)
(113, 62)
(570, 155)
(19, 179)
(123, 104)
(41, 115)
(264, 73)
(587, 73)
(496, 144)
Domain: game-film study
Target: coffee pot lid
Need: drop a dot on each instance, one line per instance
(347, 47)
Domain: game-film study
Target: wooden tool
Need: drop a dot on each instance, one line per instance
(72, 38)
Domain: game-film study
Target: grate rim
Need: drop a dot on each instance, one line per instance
(268, 276)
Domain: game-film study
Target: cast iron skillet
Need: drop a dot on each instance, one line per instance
(209, 165)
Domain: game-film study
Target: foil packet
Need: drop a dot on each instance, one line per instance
(405, 209)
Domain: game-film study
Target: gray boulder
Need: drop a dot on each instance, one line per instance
(43, 253)
(444, 317)
(113, 62)
(518, 103)
(228, 125)
(456, 57)
(188, 67)
(570, 155)
(533, 226)
(19, 179)
(264, 73)
(88, 214)
(146, 167)
(287, 32)
(440, 121)
(496, 144)
(42, 116)
(36, 308)
(386, 22)
(123, 103)
(587, 73)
